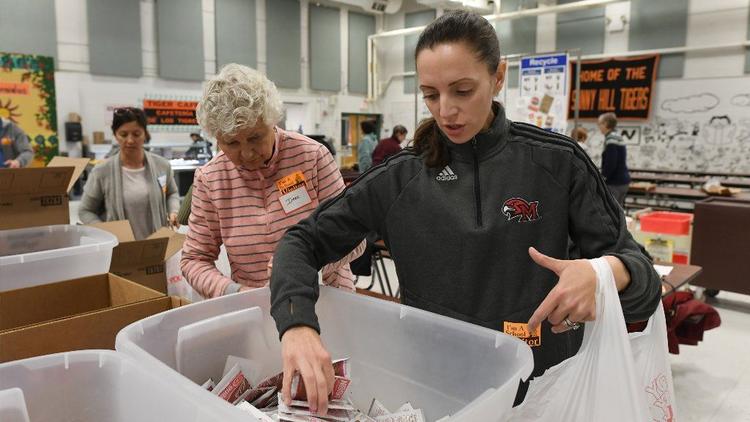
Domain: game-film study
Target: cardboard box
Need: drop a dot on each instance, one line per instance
(174, 245)
(99, 138)
(85, 313)
(74, 117)
(32, 197)
(36, 304)
(142, 261)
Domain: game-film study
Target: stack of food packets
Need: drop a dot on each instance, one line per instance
(405, 413)
(241, 386)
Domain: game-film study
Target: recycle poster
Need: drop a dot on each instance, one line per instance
(544, 82)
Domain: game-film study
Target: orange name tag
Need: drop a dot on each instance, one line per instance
(291, 182)
(521, 330)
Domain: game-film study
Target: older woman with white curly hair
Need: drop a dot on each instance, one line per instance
(264, 181)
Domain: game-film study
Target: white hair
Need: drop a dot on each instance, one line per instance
(609, 120)
(237, 98)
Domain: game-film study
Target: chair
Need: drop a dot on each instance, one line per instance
(372, 263)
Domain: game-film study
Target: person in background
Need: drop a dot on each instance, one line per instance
(614, 158)
(183, 214)
(133, 184)
(389, 146)
(264, 180)
(366, 145)
(580, 135)
(15, 150)
(201, 148)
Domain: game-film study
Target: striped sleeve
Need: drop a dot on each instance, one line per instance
(201, 248)
(338, 274)
(328, 181)
(330, 184)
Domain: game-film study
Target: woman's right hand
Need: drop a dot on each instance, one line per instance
(303, 352)
(173, 223)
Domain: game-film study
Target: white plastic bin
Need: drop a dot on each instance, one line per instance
(397, 353)
(97, 386)
(47, 254)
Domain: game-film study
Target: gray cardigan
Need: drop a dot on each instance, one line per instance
(19, 147)
(102, 195)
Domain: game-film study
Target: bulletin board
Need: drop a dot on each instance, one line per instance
(27, 98)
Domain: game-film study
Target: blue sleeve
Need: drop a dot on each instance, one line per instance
(609, 161)
(364, 154)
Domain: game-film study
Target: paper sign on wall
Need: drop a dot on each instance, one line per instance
(543, 84)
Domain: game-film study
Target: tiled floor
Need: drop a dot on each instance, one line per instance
(712, 380)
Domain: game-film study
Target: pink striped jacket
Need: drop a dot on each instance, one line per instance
(241, 209)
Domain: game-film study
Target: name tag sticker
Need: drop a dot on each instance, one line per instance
(163, 182)
(521, 331)
(293, 190)
(295, 199)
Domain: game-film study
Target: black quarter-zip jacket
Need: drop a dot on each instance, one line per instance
(459, 236)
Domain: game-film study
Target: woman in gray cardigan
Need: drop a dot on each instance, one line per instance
(132, 184)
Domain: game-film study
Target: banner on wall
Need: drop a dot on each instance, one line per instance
(543, 82)
(170, 112)
(27, 98)
(622, 86)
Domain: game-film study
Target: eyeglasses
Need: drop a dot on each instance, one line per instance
(128, 111)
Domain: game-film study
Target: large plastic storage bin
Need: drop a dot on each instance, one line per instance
(97, 386)
(398, 353)
(47, 254)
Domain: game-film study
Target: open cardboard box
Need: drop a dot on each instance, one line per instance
(84, 313)
(142, 261)
(32, 197)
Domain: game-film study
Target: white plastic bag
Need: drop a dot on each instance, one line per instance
(650, 351)
(599, 383)
(177, 285)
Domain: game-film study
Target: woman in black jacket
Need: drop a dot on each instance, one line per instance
(464, 215)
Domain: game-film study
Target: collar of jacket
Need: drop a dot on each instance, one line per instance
(613, 138)
(269, 169)
(488, 142)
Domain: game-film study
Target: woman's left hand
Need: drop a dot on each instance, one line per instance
(574, 296)
(173, 220)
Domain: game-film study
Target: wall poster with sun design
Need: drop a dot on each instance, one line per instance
(27, 98)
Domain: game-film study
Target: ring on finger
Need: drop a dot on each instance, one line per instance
(571, 325)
